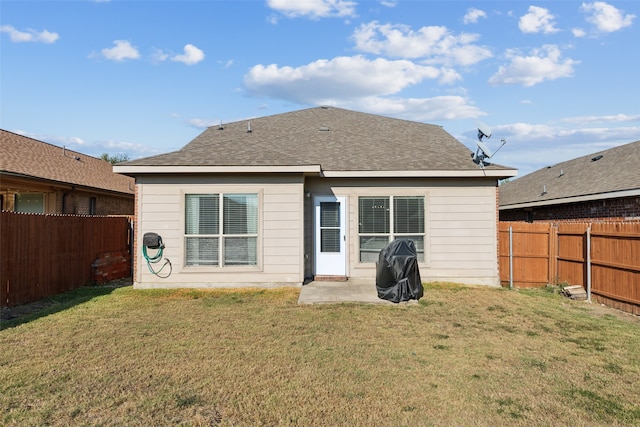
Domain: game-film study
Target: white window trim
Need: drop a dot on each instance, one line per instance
(220, 267)
(391, 235)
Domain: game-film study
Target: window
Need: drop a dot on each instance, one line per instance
(29, 203)
(384, 219)
(330, 227)
(92, 206)
(221, 229)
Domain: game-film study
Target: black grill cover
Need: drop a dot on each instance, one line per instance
(397, 275)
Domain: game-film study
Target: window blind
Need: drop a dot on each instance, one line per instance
(408, 214)
(202, 213)
(240, 214)
(373, 215)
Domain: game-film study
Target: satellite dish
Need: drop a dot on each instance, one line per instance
(483, 152)
(483, 130)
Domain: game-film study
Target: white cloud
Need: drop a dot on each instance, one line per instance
(192, 55)
(472, 15)
(94, 148)
(606, 17)
(313, 9)
(324, 80)
(123, 147)
(448, 76)
(434, 109)
(159, 55)
(435, 44)
(537, 20)
(71, 142)
(389, 3)
(558, 134)
(613, 118)
(201, 123)
(121, 51)
(542, 64)
(578, 32)
(226, 64)
(30, 35)
(361, 84)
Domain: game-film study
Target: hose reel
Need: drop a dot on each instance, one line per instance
(154, 241)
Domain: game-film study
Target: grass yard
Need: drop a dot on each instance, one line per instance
(462, 356)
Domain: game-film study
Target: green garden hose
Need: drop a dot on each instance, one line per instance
(154, 260)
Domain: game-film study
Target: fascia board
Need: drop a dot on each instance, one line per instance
(576, 199)
(136, 170)
(316, 169)
(480, 173)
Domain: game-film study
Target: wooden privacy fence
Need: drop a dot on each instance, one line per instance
(604, 258)
(43, 255)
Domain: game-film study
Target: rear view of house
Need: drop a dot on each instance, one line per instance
(314, 194)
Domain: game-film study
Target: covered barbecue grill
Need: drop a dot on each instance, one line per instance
(397, 274)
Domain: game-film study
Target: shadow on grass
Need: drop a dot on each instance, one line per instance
(18, 315)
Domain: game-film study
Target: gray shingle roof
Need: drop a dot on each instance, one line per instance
(617, 170)
(334, 138)
(30, 157)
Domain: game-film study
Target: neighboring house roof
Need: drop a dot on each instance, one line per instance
(327, 140)
(602, 175)
(28, 157)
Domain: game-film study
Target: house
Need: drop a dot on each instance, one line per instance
(38, 177)
(600, 186)
(314, 194)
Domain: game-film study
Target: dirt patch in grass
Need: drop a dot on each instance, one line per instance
(462, 356)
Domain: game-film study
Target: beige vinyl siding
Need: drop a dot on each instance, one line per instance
(460, 241)
(463, 235)
(280, 230)
(283, 232)
(460, 226)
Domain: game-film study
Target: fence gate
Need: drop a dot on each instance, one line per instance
(533, 254)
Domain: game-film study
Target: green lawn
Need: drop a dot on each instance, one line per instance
(462, 356)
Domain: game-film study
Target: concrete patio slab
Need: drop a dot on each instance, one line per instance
(350, 291)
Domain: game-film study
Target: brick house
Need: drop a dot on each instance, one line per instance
(38, 177)
(602, 186)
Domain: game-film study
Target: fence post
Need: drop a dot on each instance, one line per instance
(510, 257)
(553, 253)
(589, 263)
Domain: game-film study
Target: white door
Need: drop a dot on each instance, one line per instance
(330, 235)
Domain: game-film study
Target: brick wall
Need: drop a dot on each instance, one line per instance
(618, 209)
(79, 203)
(111, 205)
(110, 266)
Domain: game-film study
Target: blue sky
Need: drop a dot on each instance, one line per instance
(555, 79)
